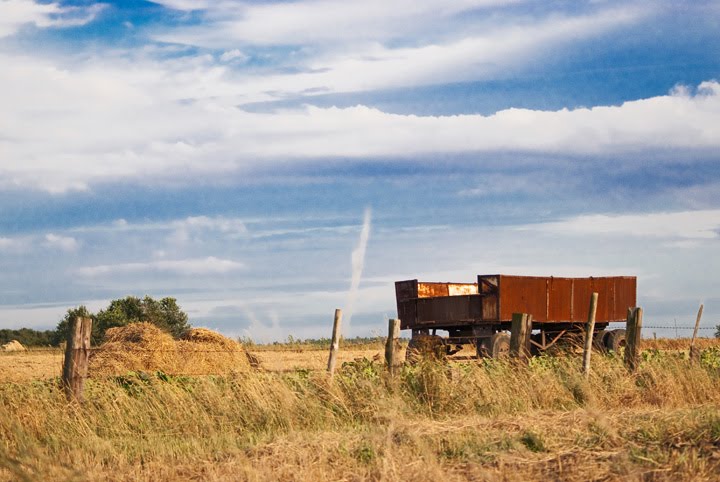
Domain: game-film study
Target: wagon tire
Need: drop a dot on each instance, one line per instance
(600, 341)
(497, 346)
(615, 340)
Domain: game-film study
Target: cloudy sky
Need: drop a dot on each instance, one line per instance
(234, 154)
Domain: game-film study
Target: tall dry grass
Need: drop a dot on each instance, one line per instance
(486, 421)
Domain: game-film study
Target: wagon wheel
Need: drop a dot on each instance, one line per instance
(497, 346)
(425, 347)
(614, 340)
(599, 340)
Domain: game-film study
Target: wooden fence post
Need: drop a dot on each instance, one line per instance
(632, 338)
(335, 342)
(77, 355)
(391, 345)
(589, 331)
(520, 330)
(694, 354)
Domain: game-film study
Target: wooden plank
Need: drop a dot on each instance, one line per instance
(520, 330)
(695, 354)
(589, 331)
(632, 338)
(392, 345)
(77, 356)
(335, 343)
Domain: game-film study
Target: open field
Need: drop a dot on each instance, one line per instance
(467, 420)
(40, 364)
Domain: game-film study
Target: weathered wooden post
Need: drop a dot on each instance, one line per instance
(335, 342)
(695, 354)
(632, 338)
(77, 355)
(589, 331)
(520, 330)
(391, 345)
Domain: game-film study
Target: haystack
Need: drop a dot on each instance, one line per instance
(135, 347)
(202, 351)
(13, 345)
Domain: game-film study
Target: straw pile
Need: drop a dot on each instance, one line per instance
(134, 347)
(203, 351)
(13, 345)
(145, 347)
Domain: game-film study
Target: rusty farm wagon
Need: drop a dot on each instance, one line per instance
(480, 313)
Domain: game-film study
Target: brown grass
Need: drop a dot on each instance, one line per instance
(465, 421)
(679, 343)
(30, 365)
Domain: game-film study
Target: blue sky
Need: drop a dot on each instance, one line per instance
(225, 153)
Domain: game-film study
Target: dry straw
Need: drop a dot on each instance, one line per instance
(145, 347)
(13, 345)
(203, 351)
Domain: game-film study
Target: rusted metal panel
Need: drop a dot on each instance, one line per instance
(604, 288)
(523, 294)
(406, 290)
(434, 290)
(488, 288)
(625, 296)
(407, 313)
(559, 300)
(448, 310)
(582, 289)
(551, 299)
(406, 293)
(459, 289)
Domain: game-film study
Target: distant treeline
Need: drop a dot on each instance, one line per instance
(30, 337)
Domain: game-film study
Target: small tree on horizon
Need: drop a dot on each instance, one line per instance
(165, 314)
(61, 331)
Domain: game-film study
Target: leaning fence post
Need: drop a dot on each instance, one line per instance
(520, 330)
(589, 331)
(694, 354)
(77, 355)
(335, 342)
(632, 338)
(391, 345)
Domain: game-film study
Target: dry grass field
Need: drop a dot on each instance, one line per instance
(466, 420)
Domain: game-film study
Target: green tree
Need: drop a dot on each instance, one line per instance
(165, 314)
(27, 336)
(61, 331)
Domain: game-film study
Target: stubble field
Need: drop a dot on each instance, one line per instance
(463, 420)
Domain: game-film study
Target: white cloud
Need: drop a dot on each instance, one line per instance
(684, 225)
(16, 13)
(196, 227)
(128, 135)
(194, 266)
(7, 243)
(319, 21)
(64, 243)
(485, 51)
(234, 54)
